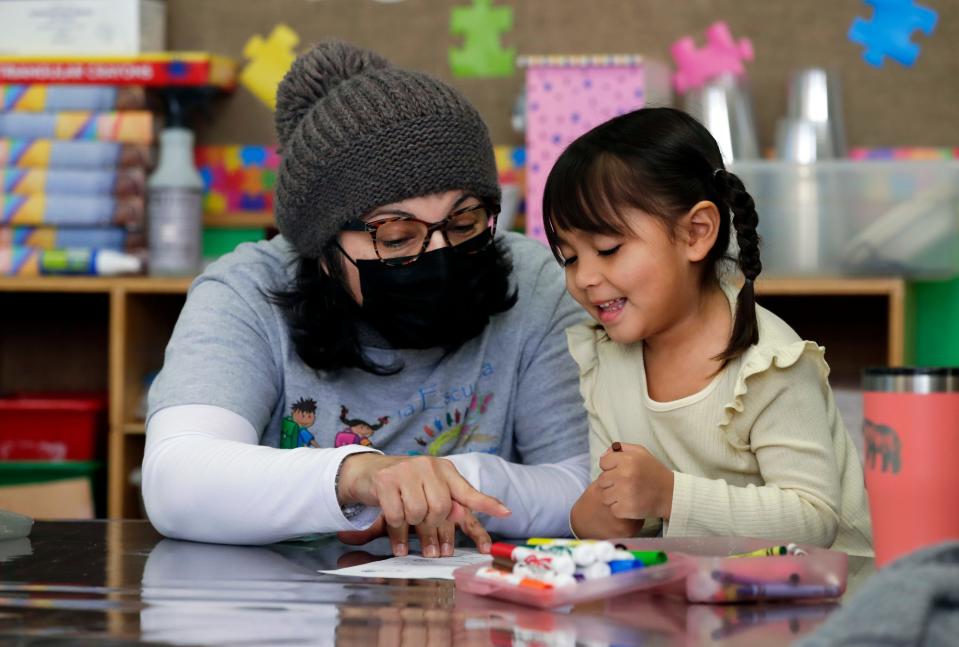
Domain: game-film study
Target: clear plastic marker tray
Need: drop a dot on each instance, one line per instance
(673, 571)
(699, 569)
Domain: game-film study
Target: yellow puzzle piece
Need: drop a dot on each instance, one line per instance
(269, 61)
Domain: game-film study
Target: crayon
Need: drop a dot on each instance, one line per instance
(731, 578)
(772, 551)
(786, 591)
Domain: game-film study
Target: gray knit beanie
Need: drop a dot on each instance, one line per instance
(356, 133)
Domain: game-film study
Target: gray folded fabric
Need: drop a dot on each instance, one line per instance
(913, 601)
(13, 525)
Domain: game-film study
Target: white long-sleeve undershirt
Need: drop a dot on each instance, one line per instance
(206, 478)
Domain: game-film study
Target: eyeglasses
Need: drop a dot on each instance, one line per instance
(401, 239)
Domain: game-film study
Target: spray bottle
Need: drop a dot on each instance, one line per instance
(175, 212)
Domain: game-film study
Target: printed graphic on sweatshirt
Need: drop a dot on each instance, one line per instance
(452, 413)
(457, 429)
(296, 426)
(356, 430)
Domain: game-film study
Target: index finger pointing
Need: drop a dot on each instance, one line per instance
(467, 496)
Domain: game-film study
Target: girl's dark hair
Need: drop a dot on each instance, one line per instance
(325, 321)
(662, 162)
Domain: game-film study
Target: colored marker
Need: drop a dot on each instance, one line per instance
(604, 549)
(582, 554)
(650, 557)
(549, 577)
(595, 571)
(535, 560)
(490, 573)
(624, 561)
(503, 564)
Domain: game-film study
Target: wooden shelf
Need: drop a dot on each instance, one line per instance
(240, 220)
(55, 284)
(146, 284)
(827, 286)
(154, 285)
(137, 284)
(119, 328)
(134, 428)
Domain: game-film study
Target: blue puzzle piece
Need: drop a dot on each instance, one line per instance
(888, 34)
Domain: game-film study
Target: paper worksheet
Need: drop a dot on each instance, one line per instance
(415, 567)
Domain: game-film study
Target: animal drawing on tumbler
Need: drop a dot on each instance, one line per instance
(882, 441)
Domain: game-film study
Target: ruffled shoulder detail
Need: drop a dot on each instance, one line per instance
(583, 339)
(779, 347)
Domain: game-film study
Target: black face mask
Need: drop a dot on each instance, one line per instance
(443, 299)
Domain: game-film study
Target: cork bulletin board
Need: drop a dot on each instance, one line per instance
(891, 106)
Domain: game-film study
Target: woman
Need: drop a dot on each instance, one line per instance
(387, 358)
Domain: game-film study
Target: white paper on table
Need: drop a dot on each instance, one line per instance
(415, 567)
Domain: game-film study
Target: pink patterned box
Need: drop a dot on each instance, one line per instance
(568, 95)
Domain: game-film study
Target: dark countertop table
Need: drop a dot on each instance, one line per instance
(121, 583)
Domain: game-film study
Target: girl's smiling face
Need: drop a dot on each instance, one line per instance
(636, 285)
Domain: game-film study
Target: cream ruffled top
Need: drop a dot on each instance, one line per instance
(759, 452)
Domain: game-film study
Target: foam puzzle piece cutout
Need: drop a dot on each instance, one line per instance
(482, 54)
(889, 32)
(720, 55)
(269, 61)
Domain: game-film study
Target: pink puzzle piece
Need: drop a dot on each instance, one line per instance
(721, 55)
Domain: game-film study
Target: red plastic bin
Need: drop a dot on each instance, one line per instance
(52, 427)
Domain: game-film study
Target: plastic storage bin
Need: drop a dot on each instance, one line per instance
(51, 427)
(849, 218)
(715, 577)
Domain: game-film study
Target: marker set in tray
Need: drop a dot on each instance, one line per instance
(560, 572)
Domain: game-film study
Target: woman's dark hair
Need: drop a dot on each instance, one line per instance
(662, 162)
(325, 321)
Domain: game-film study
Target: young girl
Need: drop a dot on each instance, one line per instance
(706, 411)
